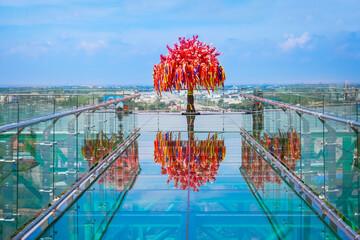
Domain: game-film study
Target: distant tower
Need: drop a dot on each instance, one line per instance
(257, 114)
(346, 90)
(347, 84)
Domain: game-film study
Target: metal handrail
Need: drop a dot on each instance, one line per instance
(26, 123)
(322, 116)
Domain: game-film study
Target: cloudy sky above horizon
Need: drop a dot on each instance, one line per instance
(108, 42)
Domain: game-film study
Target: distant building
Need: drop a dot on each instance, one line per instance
(350, 94)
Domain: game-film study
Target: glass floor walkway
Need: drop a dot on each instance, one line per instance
(80, 167)
(234, 194)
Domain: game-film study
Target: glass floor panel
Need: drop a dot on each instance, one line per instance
(227, 196)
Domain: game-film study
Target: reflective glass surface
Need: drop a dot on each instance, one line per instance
(207, 184)
(237, 195)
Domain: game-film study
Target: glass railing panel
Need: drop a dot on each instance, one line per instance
(295, 140)
(65, 153)
(35, 180)
(147, 121)
(312, 153)
(278, 131)
(232, 121)
(28, 106)
(273, 120)
(9, 110)
(341, 170)
(215, 123)
(344, 110)
(129, 121)
(35, 106)
(246, 122)
(66, 102)
(172, 122)
(8, 181)
(88, 142)
(94, 138)
(32, 106)
(323, 103)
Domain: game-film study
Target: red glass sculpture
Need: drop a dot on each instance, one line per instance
(190, 65)
(191, 163)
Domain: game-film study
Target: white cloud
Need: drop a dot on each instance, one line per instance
(92, 47)
(33, 49)
(21, 3)
(293, 42)
(343, 48)
(339, 22)
(149, 6)
(246, 54)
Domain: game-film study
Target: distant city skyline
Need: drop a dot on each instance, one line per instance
(96, 42)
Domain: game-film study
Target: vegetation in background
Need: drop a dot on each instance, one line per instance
(156, 105)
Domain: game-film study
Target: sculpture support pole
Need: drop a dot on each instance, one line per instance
(191, 139)
(190, 101)
(190, 126)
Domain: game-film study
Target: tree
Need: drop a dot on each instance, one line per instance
(220, 102)
(190, 65)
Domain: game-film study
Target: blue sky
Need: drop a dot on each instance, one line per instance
(108, 42)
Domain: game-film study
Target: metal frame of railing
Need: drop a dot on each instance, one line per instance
(56, 116)
(299, 110)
